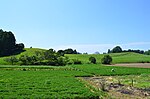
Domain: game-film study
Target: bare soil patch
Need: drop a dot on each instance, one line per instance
(139, 65)
(117, 90)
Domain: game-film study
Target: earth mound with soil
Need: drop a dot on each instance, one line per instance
(118, 90)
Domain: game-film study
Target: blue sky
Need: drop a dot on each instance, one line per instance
(85, 25)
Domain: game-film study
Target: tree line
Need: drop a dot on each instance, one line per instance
(118, 49)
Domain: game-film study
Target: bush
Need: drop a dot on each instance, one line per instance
(62, 61)
(106, 59)
(11, 60)
(76, 61)
(92, 60)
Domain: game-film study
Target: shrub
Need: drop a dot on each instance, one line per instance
(76, 61)
(24, 60)
(62, 61)
(106, 59)
(92, 60)
(11, 60)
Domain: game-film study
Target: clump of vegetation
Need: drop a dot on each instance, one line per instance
(27, 60)
(11, 60)
(103, 85)
(76, 61)
(92, 60)
(106, 59)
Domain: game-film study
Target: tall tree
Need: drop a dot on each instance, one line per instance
(7, 43)
(117, 49)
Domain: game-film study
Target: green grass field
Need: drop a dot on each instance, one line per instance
(56, 82)
(101, 70)
(43, 84)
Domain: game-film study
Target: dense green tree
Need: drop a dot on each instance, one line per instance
(116, 49)
(61, 52)
(75, 52)
(147, 52)
(19, 47)
(106, 59)
(109, 51)
(92, 60)
(8, 44)
(50, 54)
(70, 51)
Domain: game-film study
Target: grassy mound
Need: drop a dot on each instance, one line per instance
(28, 51)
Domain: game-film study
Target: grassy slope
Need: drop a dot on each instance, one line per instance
(117, 57)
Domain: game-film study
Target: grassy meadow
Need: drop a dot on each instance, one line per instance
(126, 57)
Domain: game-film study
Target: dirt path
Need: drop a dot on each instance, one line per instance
(140, 65)
(117, 90)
